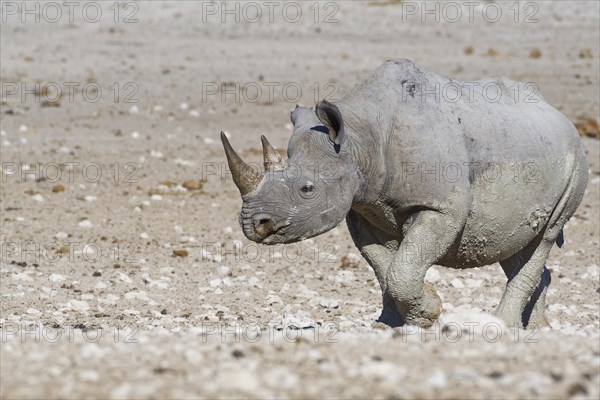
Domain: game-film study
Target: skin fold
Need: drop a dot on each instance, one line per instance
(426, 170)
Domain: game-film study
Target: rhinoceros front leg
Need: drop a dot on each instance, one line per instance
(425, 242)
(378, 248)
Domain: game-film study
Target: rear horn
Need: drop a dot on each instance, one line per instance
(272, 159)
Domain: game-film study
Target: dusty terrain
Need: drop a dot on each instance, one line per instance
(124, 273)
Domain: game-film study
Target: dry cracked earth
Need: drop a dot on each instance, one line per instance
(124, 272)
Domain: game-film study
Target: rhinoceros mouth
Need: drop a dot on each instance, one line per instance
(278, 231)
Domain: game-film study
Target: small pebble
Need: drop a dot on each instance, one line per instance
(180, 253)
(85, 224)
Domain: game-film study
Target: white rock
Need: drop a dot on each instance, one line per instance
(209, 140)
(61, 235)
(379, 370)
(90, 198)
(125, 278)
(184, 106)
(100, 285)
(182, 162)
(160, 284)
(109, 299)
(327, 257)
(273, 299)
(329, 303)
(144, 235)
(457, 283)
(432, 275)
(304, 292)
(223, 270)
(22, 277)
(473, 283)
(156, 197)
(79, 305)
(345, 277)
(482, 325)
(195, 113)
(280, 378)
(56, 278)
(134, 110)
(85, 224)
(38, 197)
(137, 295)
(298, 320)
(135, 134)
(89, 375)
(437, 379)
(23, 128)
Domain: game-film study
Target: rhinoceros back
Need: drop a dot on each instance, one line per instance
(520, 159)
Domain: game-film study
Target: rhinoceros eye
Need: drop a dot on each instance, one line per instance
(307, 188)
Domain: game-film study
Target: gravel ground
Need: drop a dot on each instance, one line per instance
(124, 273)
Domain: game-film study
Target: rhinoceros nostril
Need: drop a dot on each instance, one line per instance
(263, 226)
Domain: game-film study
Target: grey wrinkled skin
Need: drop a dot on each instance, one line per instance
(424, 179)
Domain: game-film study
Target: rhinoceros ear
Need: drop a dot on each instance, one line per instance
(330, 116)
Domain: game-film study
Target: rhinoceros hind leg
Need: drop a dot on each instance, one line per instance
(523, 302)
(534, 314)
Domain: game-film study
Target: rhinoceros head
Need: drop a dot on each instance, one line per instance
(309, 193)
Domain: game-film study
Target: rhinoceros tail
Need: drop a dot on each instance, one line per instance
(560, 239)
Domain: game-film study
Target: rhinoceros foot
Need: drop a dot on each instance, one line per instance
(423, 311)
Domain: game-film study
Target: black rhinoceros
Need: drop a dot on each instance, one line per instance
(426, 170)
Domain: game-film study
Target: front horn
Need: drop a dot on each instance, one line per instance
(245, 178)
(272, 159)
